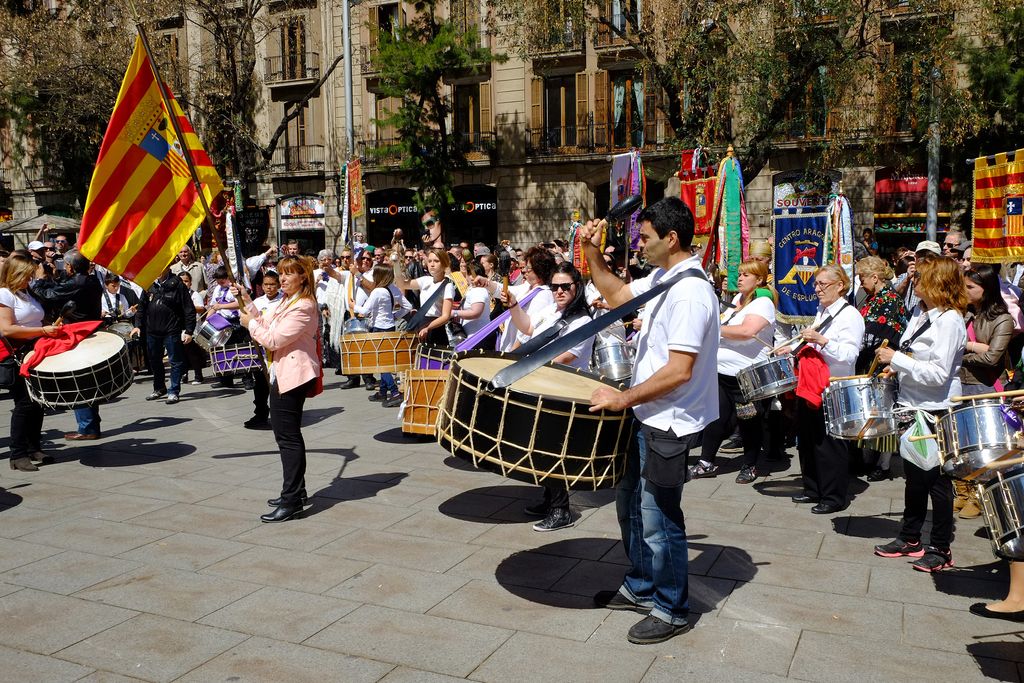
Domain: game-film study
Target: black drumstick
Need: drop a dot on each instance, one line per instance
(624, 208)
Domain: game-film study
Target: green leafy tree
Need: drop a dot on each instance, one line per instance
(996, 71)
(412, 60)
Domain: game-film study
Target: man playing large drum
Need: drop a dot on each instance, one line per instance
(674, 395)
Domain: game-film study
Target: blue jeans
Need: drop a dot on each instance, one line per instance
(654, 534)
(388, 386)
(88, 419)
(175, 353)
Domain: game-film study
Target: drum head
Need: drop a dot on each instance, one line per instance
(547, 380)
(96, 347)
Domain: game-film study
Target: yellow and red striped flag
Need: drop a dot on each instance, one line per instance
(142, 205)
(998, 198)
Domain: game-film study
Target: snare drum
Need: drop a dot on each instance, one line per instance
(1002, 501)
(973, 438)
(430, 357)
(770, 377)
(372, 352)
(136, 354)
(537, 430)
(214, 330)
(860, 408)
(422, 395)
(355, 326)
(613, 356)
(96, 370)
(239, 356)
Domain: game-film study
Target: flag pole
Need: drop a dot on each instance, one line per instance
(211, 222)
(187, 153)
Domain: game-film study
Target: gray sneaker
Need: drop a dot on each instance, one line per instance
(172, 398)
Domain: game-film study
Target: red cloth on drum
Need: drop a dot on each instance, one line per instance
(67, 338)
(811, 375)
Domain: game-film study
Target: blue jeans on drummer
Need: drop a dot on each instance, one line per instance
(649, 506)
(388, 386)
(88, 419)
(175, 354)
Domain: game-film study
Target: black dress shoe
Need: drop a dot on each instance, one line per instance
(352, 383)
(981, 610)
(804, 498)
(827, 509)
(878, 474)
(276, 502)
(282, 514)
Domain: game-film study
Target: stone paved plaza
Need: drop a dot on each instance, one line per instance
(142, 557)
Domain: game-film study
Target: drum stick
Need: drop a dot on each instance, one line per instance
(797, 338)
(994, 394)
(874, 363)
(997, 465)
(842, 379)
(922, 437)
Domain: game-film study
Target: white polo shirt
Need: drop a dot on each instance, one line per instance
(684, 318)
(845, 335)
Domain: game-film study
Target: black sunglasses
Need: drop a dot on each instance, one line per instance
(430, 221)
(562, 286)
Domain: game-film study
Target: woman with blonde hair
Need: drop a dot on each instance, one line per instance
(885, 319)
(21, 323)
(289, 333)
(927, 365)
(746, 338)
(837, 334)
(438, 266)
(382, 306)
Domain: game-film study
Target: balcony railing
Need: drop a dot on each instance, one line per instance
(386, 152)
(477, 146)
(298, 159)
(367, 56)
(293, 67)
(43, 175)
(844, 123)
(592, 139)
(5, 177)
(557, 38)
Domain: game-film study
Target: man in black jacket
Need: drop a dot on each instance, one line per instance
(170, 319)
(85, 291)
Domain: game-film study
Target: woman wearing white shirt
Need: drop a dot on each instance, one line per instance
(837, 335)
(570, 313)
(747, 332)
(539, 265)
(475, 310)
(927, 365)
(438, 265)
(382, 306)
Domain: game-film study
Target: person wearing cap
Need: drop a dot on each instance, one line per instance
(904, 284)
(37, 249)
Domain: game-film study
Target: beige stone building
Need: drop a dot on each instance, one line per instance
(539, 135)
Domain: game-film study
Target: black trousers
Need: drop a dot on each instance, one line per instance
(286, 420)
(26, 421)
(824, 460)
(922, 485)
(751, 429)
(556, 495)
(260, 395)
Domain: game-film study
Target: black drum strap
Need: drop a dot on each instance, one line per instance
(905, 346)
(416, 322)
(531, 362)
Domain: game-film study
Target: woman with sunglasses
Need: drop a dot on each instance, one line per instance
(837, 334)
(538, 266)
(927, 365)
(440, 312)
(433, 231)
(569, 313)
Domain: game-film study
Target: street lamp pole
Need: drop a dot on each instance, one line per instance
(932, 221)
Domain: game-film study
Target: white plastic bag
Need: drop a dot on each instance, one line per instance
(924, 453)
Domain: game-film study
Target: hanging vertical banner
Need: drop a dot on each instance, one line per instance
(799, 252)
(627, 179)
(839, 237)
(730, 214)
(998, 221)
(356, 198)
(697, 190)
(233, 248)
(344, 200)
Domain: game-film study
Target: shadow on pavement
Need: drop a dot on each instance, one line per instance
(983, 581)
(358, 488)
(145, 424)
(346, 453)
(996, 659)
(318, 415)
(881, 526)
(9, 499)
(396, 435)
(127, 452)
(542, 574)
(779, 488)
(477, 505)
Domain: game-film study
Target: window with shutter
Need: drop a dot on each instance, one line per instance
(536, 112)
(601, 137)
(583, 135)
(486, 122)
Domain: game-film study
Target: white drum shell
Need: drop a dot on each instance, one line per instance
(1002, 502)
(96, 370)
(612, 357)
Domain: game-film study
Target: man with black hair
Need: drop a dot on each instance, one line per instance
(170, 319)
(674, 395)
(87, 294)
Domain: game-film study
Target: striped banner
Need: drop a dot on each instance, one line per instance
(142, 205)
(998, 231)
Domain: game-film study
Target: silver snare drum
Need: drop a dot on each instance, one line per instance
(770, 377)
(973, 438)
(1002, 501)
(860, 408)
(613, 356)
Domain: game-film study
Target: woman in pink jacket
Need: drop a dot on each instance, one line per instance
(289, 334)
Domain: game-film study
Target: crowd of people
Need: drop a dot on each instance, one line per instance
(938, 324)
